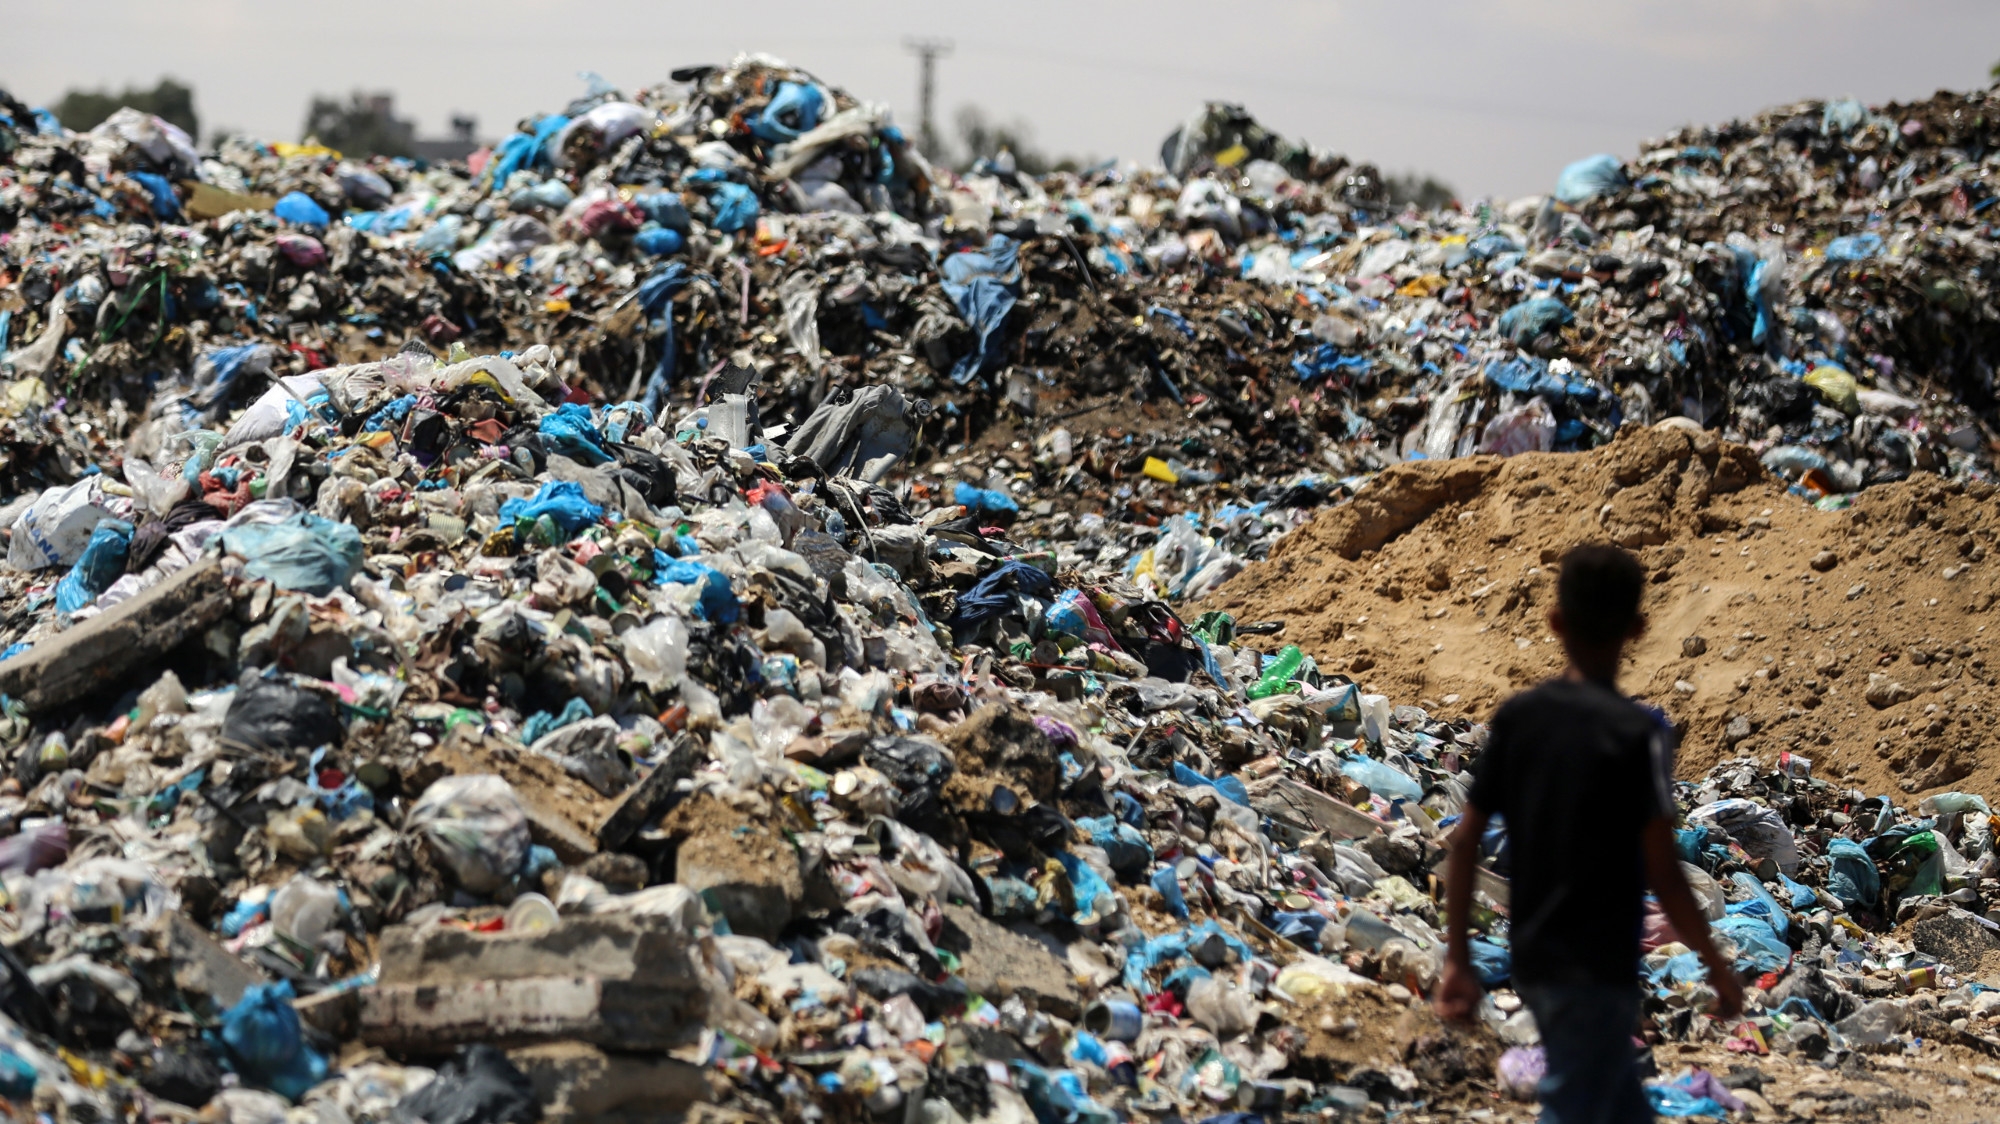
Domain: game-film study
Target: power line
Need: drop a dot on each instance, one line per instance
(928, 51)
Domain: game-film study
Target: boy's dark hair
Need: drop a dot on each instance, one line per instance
(1599, 592)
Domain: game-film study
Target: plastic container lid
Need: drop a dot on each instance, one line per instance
(532, 913)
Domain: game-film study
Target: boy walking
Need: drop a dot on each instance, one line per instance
(1579, 772)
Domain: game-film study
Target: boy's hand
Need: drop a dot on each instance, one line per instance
(1728, 990)
(1458, 992)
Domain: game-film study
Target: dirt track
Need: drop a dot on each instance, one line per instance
(1770, 619)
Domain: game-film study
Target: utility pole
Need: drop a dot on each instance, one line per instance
(928, 51)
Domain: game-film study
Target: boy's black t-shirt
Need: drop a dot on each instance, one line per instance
(1575, 768)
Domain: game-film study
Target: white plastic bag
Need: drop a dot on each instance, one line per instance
(476, 827)
(657, 652)
(1527, 428)
(55, 530)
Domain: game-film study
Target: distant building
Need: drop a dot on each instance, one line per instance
(463, 141)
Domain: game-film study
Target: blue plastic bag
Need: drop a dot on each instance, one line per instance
(1493, 962)
(103, 562)
(1086, 886)
(299, 209)
(659, 241)
(1669, 1100)
(571, 431)
(562, 501)
(656, 297)
(735, 207)
(1230, 788)
(1758, 949)
(1852, 876)
(1123, 846)
(524, 150)
(1532, 318)
(266, 1045)
(989, 500)
(718, 601)
(665, 208)
(1589, 178)
(792, 111)
(305, 552)
(1382, 779)
(1854, 247)
(1841, 116)
(1169, 885)
(543, 722)
(983, 285)
(1760, 904)
(17, 1077)
(166, 205)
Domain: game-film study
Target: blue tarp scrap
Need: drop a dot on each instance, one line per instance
(1532, 318)
(655, 297)
(1174, 946)
(562, 501)
(1854, 247)
(1525, 374)
(1589, 178)
(984, 286)
(1229, 787)
(1326, 360)
(993, 597)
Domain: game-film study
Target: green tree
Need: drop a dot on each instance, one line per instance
(365, 125)
(169, 100)
(980, 137)
(1426, 191)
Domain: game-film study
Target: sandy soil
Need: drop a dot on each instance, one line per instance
(1859, 638)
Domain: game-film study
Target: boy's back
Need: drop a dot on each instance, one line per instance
(1572, 766)
(1575, 768)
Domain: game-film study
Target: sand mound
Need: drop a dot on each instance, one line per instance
(1858, 638)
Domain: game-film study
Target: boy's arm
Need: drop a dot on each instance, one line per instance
(1458, 989)
(1663, 874)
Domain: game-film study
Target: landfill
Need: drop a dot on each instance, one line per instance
(700, 612)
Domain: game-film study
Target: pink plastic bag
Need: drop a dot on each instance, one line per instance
(1520, 1070)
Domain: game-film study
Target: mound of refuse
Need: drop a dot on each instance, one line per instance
(1851, 634)
(698, 611)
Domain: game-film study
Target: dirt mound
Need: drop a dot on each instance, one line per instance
(1857, 637)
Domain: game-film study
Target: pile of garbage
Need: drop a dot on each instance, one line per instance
(1809, 281)
(678, 613)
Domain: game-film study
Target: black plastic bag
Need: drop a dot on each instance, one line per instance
(479, 1086)
(272, 715)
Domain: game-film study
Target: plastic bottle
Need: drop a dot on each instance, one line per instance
(1060, 446)
(1277, 675)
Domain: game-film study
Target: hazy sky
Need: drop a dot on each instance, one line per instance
(1493, 95)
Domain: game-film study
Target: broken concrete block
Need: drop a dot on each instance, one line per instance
(576, 1081)
(615, 980)
(202, 965)
(749, 873)
(97, 654)
(550, 830)
(1001, 962)
(651, 796)
(332, 1013)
